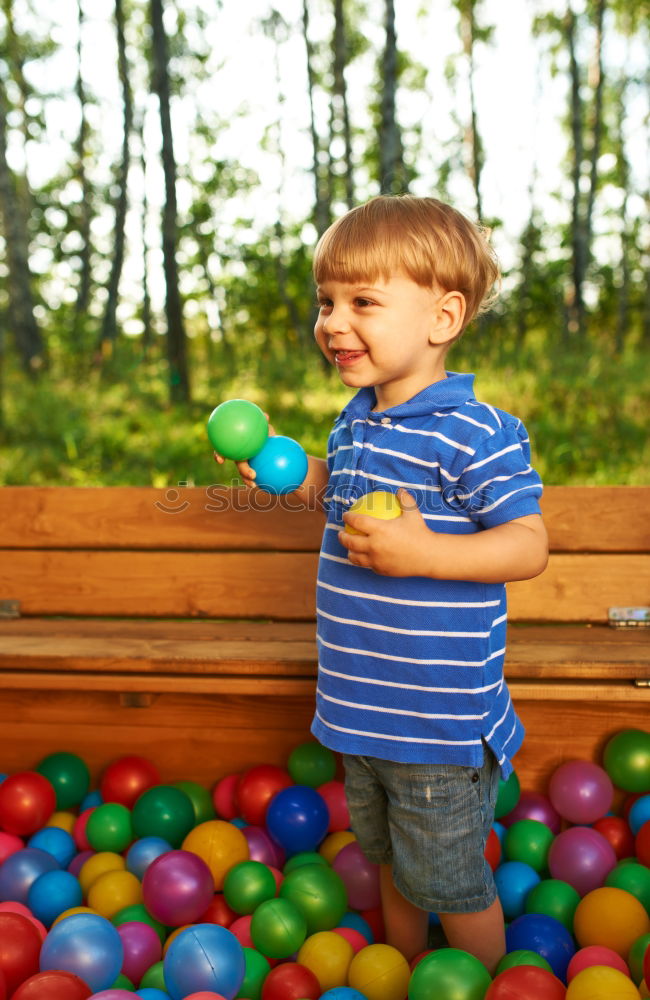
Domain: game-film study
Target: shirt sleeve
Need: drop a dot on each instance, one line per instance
(499, 484)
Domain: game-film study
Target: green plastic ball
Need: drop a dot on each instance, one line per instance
(163, 811)
(311, 764)
(278, 928)
(237, 429)
(635, 957)
(554, 898)
(304, 858)
(633, 877)
(319, 893)
(200, 798)
(69, 776)
(153, 978)
(522, 956)
(626, 759)
(449, 974)
(508, 795)
(109, 827)
(139, 913)
(528, 840)
(248, 884)
(257, 969)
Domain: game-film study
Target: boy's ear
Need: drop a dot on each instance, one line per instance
(449, 313)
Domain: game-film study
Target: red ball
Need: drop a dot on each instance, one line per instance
(333, 794)
(291, 981)
(224, 796)
(3, 986)
(27, 800)
(20, 947)
(493, 849)
(126, 778)
(375, 920)
(256, 788)
(53, 985)
(618, 833)
(218, 912)
(641, 844)
(354, 937)
(526, 982)
(646, 965)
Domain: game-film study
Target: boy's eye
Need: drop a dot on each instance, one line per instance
(364, 302)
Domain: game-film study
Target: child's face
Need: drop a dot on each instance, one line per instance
(383, 334)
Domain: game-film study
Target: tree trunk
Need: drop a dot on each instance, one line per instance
(340, 58)
(29, 341)
(322, 188)
(147, 320)
(468, 31)
(575, 302)
(179, 381)
(392, 178)
(85, 218)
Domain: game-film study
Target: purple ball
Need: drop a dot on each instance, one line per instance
(532, 805)
(177, 888)
(261, 848)
(581, 791)
(142, 949)
(582, 857)
(360, 877)
(20, 870)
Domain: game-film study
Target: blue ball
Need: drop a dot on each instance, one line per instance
(514, 880)
(142, 852)
(204, 957)
(357, 923)
(639, 814)
(342, 993)
(545, 935)
(92, 799)
(52, 893)
(20, 870)
(87, 945)
(151, 993)
(280, 466)
(56, 842)
(297, 818)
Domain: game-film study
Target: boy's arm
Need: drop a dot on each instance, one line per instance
(405, 546)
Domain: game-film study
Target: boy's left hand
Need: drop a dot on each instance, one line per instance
(392, 548)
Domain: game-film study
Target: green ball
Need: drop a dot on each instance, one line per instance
(522, 956)
(109, 827)
(319, 893)
(139, 913)
(311, 764)
(257, 969)
(163, 811)
(554, 898)
(247, 884)
(626, 759)
(278, 928)
(508, 795)
(68, 775)
(304, 858)
(123, 983)
(633, 877)
(449, 974)
(528, 840)
(635, 957)
(200, 798)
(153, 978)
(237, 429)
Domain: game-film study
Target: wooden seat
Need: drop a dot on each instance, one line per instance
(179, 624)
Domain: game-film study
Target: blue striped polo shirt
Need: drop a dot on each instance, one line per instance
(411, 669)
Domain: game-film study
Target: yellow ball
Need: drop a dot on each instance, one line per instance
(601, 982)
(328, 956)
(334, 843)
(611, 917)
(380, 972)
(98, 864)
(63, 820)
(380, 504)
(112, 891)
(220, 844)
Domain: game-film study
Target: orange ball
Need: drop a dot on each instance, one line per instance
(220, 844)
(611, 917)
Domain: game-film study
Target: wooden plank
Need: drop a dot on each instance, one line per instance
(579, 518)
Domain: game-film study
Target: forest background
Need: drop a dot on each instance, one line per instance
(166, 167)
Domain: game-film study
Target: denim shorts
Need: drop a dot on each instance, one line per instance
(431, 823)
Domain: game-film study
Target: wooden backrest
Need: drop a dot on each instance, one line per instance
(227, 553)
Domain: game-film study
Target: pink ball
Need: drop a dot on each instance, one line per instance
(353, 937)
(333, 792)
(581, 791)
(532, 805)
(582, 857)
(177, 888)
(360, 877)
(142, 949)
(595, 954)
(9, 844)
(262, 848)
(204, 995)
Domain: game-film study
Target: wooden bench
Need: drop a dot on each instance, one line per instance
(178, 624)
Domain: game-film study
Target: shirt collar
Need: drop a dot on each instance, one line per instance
(448, 393)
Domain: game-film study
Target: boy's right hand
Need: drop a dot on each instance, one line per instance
(243, 468)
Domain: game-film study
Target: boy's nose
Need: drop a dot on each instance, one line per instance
(337, 321)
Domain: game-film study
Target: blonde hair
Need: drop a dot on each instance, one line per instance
(433, 243)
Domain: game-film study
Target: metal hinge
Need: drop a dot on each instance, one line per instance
(9, 609)
(629, 617)
(642, 682)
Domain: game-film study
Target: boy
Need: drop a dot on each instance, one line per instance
(411, 611)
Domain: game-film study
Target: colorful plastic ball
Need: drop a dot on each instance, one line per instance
(237, 429)
(200, 798)
(360, 877)
(255, 789)
(109, 827)
(514, 880)
(297, 818)
(626, 759)
(20, 946)
(79, 829)
(449, 974)
(616, 830)
(522, 956)
(358, 923)
(529, 841)
(342, 993)
(142, 852)
(56, 842)
(582, 857)
(291, 981)
(642, 844)
(333, 795)
(304, 858)
(278, 928)
(554, 898)
(14, 907)
(636, 955)
(139, 913)
(526, 982)
(224, 796)
(634, 878)
(493, 849)
(280, 466)
(257, 969)
(126, 778)
(261, 847)
(328, 956)
(601, 982)
(581, 791)
(9, 844)
(87, 945)
(611, 917)
(20, 870)
(311, 764)
(177, 887)
(508, 795)
(380, 972)
(142, 948)
(595, 954)
(639, 813)
(112, 891)
(355, 938)
(113, 994)
(163, 811)
(220, 844)
(98, 864)
(248, 884)
(545, 935)
(319, 893)
(534, 805)
(53, 985)
(204, 957)
(154, 978)
(335, 842)
(152, 993)
(69, 776)
(27, 800)
(52, 893)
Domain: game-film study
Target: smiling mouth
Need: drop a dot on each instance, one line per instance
(344, 358)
